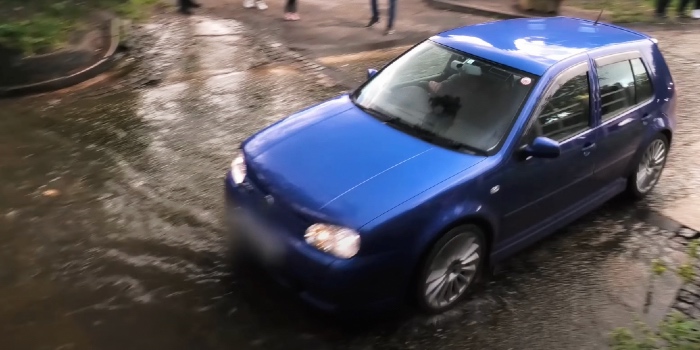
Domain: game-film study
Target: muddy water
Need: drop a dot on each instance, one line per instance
(111, 232)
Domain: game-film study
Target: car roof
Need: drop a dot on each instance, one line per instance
(534, 45)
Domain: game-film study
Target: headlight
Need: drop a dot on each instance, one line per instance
(238, 169)
(339, 241)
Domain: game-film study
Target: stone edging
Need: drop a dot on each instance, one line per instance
(101, 66)
(474, 9)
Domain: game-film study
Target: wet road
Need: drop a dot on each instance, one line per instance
(111, 232)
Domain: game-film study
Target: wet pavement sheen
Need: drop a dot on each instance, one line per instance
(111, 230)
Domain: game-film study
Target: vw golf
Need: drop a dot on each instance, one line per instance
(470, 146)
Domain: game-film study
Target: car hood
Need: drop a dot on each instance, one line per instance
(338, 164)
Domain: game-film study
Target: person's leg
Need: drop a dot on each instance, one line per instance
(392, 16)
(290, 11)
(184, 7)
(682, 4)
(661, 7)
(375, 13)
(291, 6)
(191, 3)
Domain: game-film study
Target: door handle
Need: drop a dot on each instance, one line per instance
(645, 118)
(588, 147)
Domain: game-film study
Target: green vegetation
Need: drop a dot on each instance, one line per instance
(621, 11)
(677, 332)
(37, 25)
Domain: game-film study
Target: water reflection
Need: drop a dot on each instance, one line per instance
(130, 253)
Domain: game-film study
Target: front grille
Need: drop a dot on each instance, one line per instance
(252, 177)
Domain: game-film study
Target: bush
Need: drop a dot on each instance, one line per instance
(33, 26)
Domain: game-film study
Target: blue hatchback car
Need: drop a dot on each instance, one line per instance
(465, 149)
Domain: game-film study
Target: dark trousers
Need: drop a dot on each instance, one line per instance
(392, 11)
(184, 4)
(661, 5)
(291, 6)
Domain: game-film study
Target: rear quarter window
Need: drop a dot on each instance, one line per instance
(642, 82)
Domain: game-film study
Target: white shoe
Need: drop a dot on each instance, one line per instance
(249, 4)
(261, 5)
(696, 14)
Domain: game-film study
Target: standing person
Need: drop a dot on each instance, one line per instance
(261, 5)
(683, 4)
(375, 16)
(186, 5)
(290, 11)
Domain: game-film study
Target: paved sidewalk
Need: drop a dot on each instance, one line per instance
(337, 27)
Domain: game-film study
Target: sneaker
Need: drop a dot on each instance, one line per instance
(184, 11)
(195, 5)
(290, 16)
(372, 22)
(261, 5)
(389, 31)
(249, 4)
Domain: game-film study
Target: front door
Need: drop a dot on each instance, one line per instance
(540, 189)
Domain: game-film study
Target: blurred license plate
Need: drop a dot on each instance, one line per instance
(260, 237)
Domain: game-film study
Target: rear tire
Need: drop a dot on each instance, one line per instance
(451, 268)
(649, 167)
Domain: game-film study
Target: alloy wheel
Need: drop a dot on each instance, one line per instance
(651, 165)
(452, 270)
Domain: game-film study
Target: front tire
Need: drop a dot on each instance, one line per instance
(452, 266)
(650, 165)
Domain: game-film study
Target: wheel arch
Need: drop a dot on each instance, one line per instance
(480, 221)
(669, 135)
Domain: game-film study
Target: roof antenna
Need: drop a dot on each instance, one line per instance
(599, 15)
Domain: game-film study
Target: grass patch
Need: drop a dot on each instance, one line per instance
(621, 11)
(41, 25)
(676, 332)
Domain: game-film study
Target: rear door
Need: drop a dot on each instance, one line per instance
(626, 106)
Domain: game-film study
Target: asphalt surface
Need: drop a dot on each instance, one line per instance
(111, 222)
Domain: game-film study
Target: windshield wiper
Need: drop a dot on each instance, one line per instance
(420, 132)
(378, 114)
(456, 145)
(434, 137)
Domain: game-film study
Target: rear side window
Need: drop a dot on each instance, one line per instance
(642, 82)
(617, 88)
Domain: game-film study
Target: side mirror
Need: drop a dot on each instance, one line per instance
(371, 73)
(542, 147)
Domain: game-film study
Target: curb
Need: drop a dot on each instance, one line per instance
(474, 9)
(101, 66)
(328, 50)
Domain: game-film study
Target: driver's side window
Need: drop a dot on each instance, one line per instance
(565, 113)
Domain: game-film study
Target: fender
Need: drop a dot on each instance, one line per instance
(465, 212)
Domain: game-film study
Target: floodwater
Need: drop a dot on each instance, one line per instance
(111, 230)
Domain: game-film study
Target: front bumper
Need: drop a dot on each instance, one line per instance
(273, 234)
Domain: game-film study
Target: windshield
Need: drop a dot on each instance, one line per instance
(447, 94)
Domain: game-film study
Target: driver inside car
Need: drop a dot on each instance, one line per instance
(442, 99)
(456, 83)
